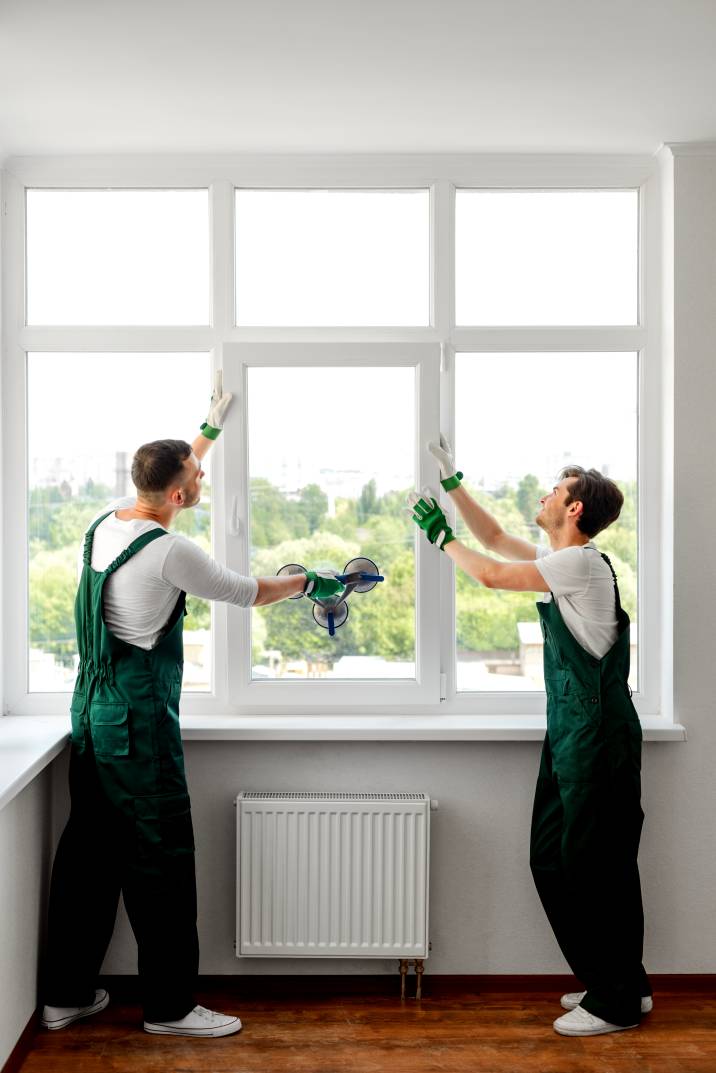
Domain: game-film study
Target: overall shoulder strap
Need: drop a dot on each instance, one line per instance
(133, 548)
(607, 560)
(89, 538)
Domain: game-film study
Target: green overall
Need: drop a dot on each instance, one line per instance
(130, 824)
(587, 817)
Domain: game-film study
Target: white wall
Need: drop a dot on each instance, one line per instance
(25, 855)
(485, 916)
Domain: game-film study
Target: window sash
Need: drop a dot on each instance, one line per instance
(250, 694)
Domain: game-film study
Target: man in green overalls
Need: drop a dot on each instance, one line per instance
(130, 828)
(587, 814)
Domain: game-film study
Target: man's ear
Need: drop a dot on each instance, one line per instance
(575, 509)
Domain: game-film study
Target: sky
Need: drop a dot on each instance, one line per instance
(338, 428)
(332, 257)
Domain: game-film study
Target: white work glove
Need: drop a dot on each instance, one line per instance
(220, 400)
(443, 452)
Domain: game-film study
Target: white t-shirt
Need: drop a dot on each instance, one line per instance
(140, 596)
(583, 586)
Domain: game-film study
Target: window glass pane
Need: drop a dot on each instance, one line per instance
(332, 257)
(328, 485)
(563, 409)
(538, 257)
(118, 257)
(79, 463)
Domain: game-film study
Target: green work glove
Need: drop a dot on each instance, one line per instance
(211, 428)
(443, 452)
(427, 514)
(321, 584)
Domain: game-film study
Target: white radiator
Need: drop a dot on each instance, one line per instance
(332, 875)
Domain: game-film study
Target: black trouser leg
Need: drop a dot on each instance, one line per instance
(160, 896)
(84, 891)
(547, 867)
(162, 912)
(600, 846)
(584, 842)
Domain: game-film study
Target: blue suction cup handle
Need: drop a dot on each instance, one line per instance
(343, 578)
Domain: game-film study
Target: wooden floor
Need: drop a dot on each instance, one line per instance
(457, 1032)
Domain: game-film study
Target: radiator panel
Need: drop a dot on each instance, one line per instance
(323, 875)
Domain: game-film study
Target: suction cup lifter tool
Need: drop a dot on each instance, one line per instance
(359, 575)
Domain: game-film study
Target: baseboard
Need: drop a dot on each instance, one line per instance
(23, 1046)
(254, 986)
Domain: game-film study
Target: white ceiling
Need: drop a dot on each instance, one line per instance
(93, 76)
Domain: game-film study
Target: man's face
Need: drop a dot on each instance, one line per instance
(191, 485)
(554, 510)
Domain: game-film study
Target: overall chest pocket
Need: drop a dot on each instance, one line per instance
(109, 727)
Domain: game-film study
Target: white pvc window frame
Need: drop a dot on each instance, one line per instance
(442, 175)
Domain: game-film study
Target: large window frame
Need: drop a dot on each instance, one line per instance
(442, 176)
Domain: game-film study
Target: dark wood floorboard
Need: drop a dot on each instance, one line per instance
(465, 1032)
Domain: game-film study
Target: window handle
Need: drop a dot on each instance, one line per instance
(234, 518)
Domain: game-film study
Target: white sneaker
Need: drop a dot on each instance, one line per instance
(579, 1022)
(198, 1022)
(62, 1016)
(572, 999)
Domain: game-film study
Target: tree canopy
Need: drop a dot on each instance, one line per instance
(297, 527)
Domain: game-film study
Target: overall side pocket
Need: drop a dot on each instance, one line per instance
(109, 727)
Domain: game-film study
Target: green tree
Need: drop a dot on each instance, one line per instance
(41, 502)
(69, 521)
(53, 585)
(273, 517)
(385, 539)
(367, 501)
(198, 616)
(528, 495)
(96, 492)
(383, 620)
(620, 539)
(344, 521)
(313, 505)
(487, 618)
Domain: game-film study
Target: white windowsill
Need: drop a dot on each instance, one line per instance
(28, 743)
(388, 728)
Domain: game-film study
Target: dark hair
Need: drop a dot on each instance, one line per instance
(600, 497)
(158, 464)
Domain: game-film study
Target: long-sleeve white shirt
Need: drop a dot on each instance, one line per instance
(140, 596)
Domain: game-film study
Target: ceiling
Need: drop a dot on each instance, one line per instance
(179, 76)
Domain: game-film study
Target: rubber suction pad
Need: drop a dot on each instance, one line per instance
(362, 566)
(292, 568)
(340, 614)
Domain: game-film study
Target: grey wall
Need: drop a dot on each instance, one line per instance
(25, 853)
(485, 915)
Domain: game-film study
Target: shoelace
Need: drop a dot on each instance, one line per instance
(208, 1015)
